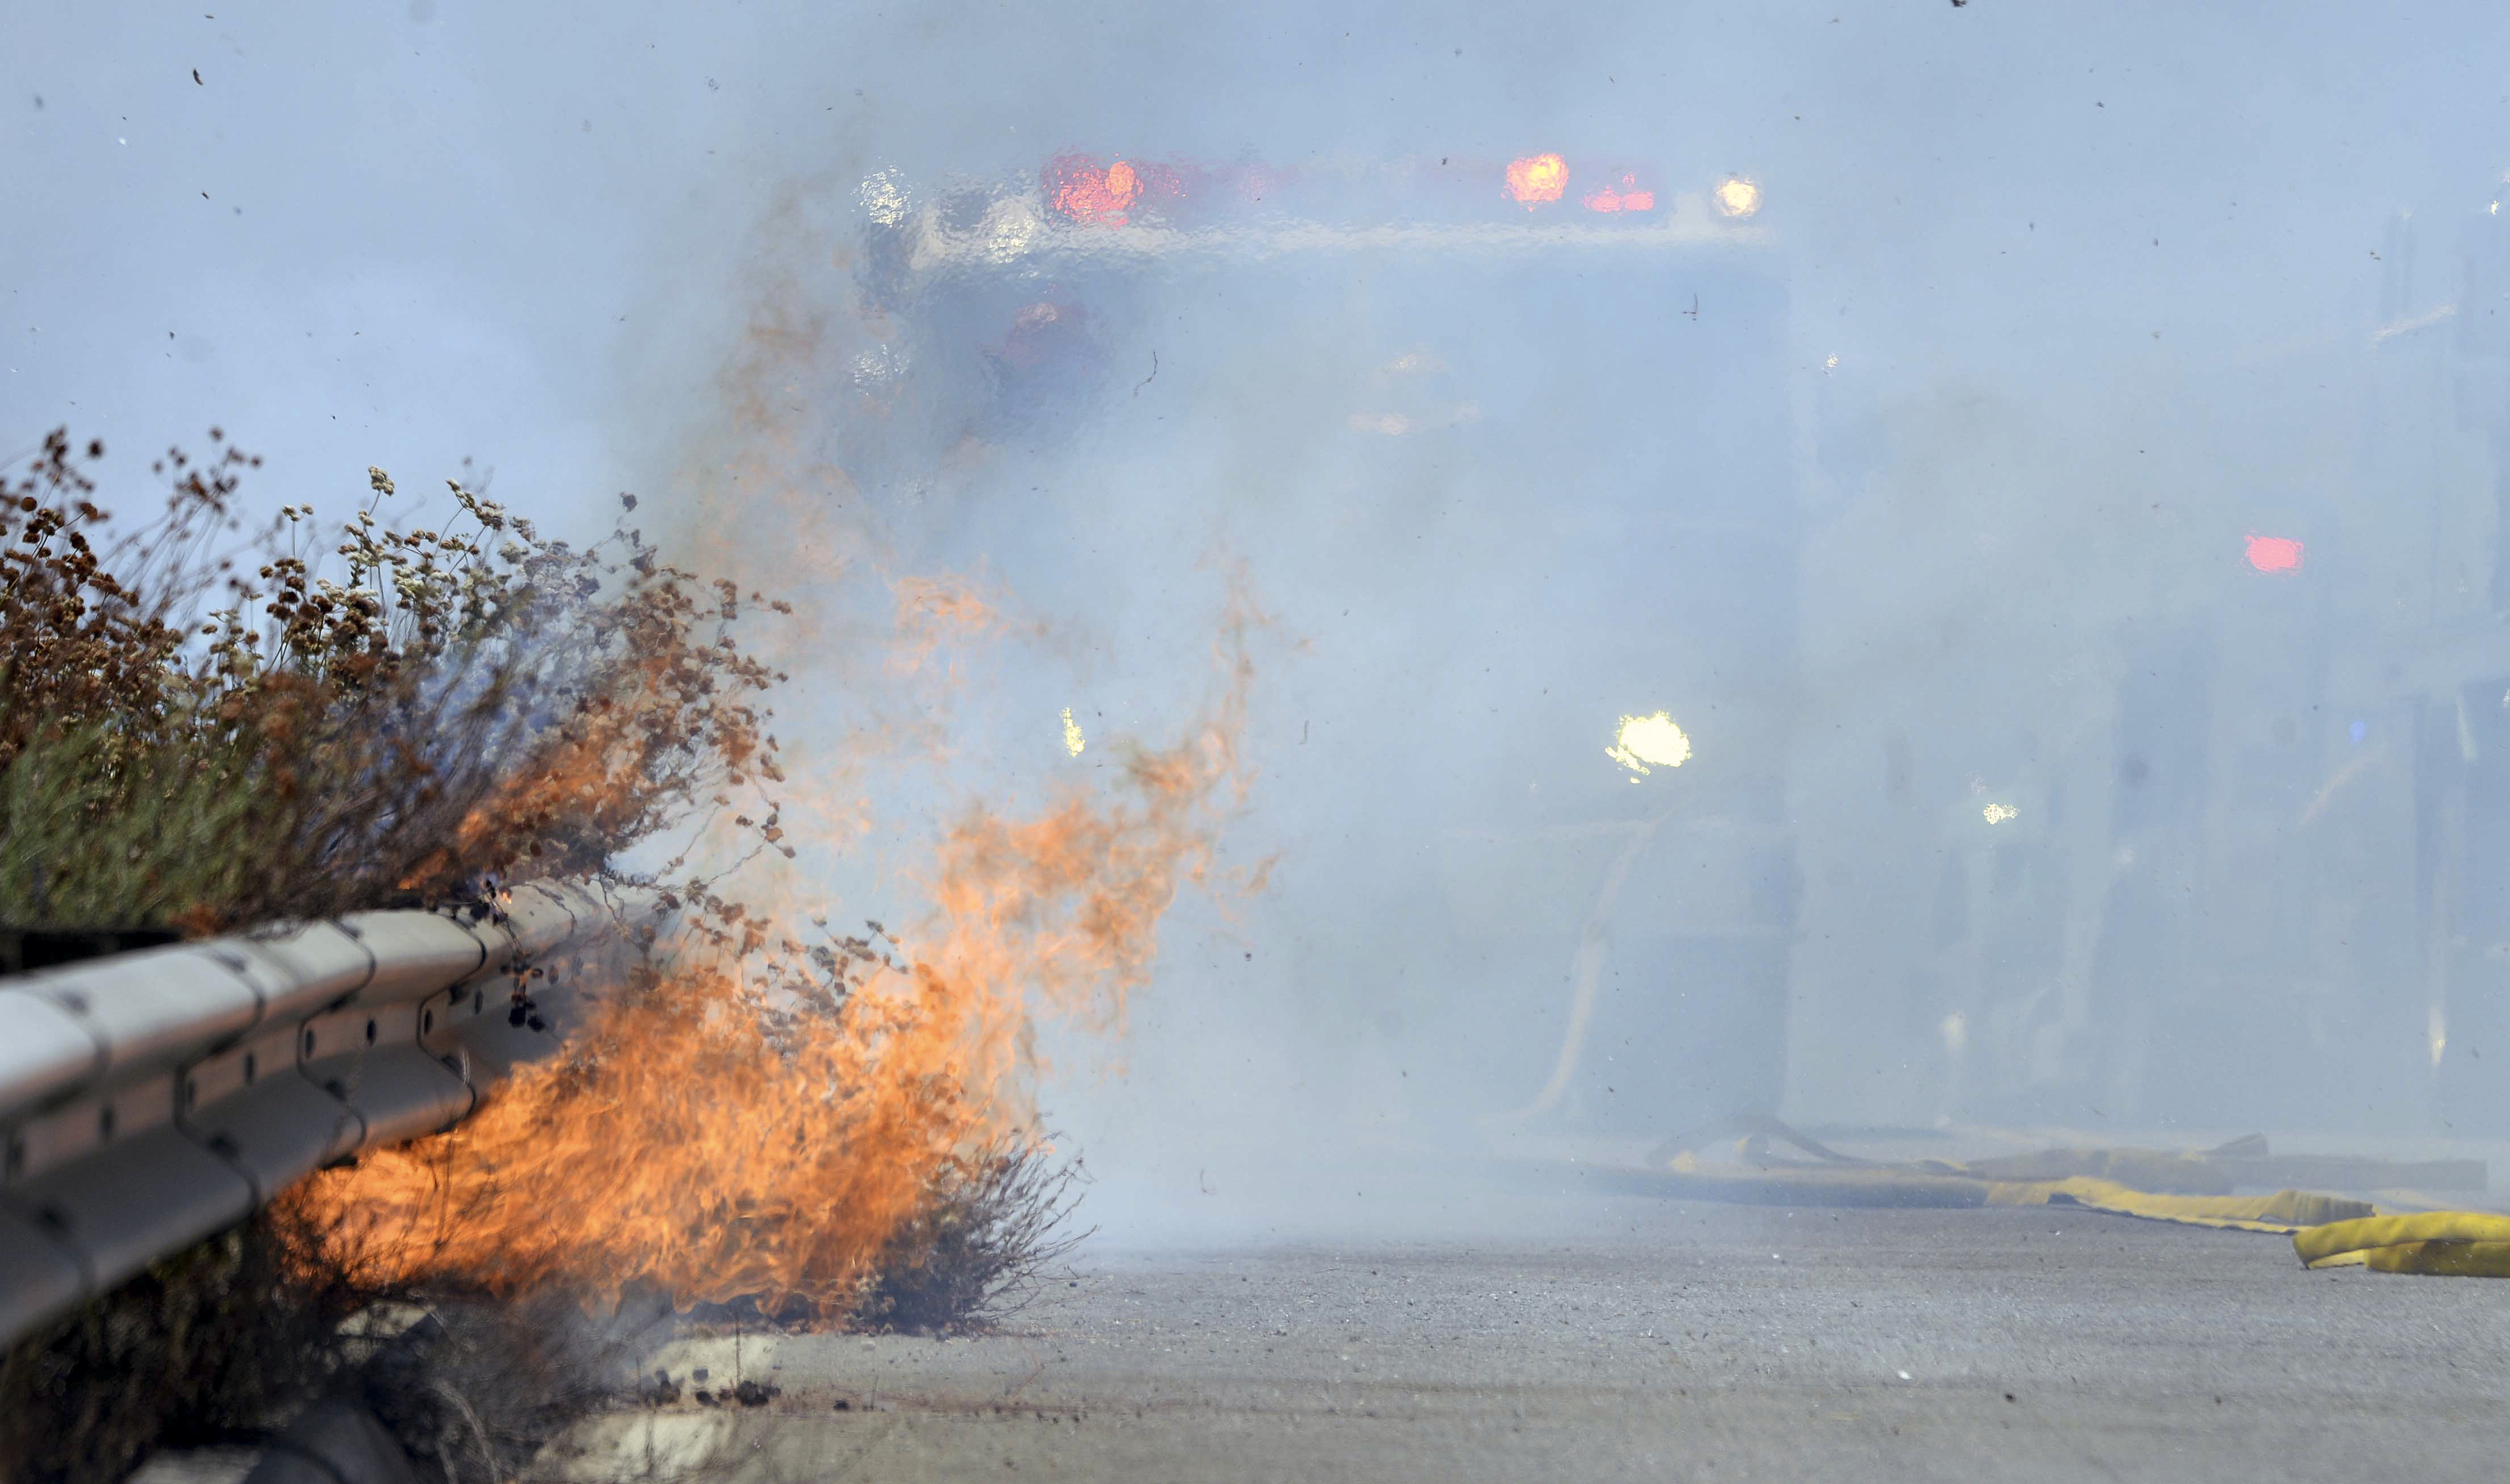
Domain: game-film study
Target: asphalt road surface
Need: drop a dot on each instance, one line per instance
(1614, 1337)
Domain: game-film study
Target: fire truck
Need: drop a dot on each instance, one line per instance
(1511, 443)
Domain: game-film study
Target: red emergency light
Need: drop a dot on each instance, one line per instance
(2274, 553)
(1624, 195)
(1116, 193)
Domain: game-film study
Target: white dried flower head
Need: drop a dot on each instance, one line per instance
(378, 480)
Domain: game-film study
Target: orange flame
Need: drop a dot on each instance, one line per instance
(1538, 178)
(710, 1133)
(1626, 196)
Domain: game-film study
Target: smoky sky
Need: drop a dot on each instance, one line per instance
(2072, 298)
(507, 229)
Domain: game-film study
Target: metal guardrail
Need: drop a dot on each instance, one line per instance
(151, 1099)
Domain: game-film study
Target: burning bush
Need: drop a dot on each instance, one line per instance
(212, 730)
(788, 1122)
(977, 1251)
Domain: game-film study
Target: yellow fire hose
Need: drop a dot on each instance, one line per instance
(2434, 1244)
(1949, 1186)
(2187, 1189)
